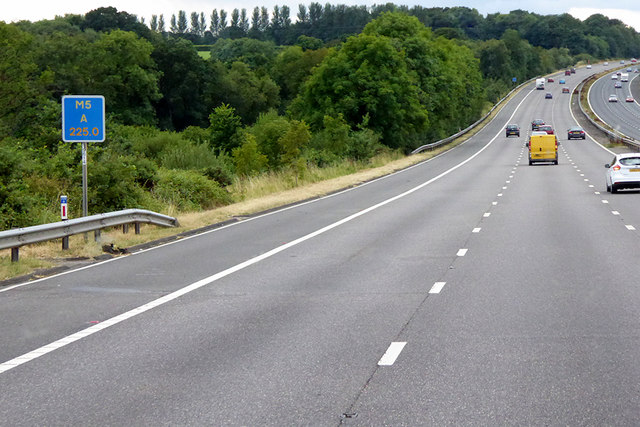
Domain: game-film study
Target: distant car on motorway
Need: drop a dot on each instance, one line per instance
(561, 82)
(512, 129)
(565, 90)
(623, 172)
(588, 66)
(629, 70)
(576, 132)
(617, 85)
(630, 99)
(550, 80)
(572, 70)
(567, 72)
(548, 95)
(613, 98)
(546, 128)
(535, 124)
(614, 77)
(606, 63)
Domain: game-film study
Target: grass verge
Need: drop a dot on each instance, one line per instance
(253, 195)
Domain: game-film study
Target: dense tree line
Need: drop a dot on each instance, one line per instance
(338, 82)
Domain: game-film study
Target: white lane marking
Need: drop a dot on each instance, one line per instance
(597, 192)
(615, 212)
(581, 174)
(586, 180)
(476, 230)
(487, 214)
(504, 188)
(437, 287)
(591, 185)
(494, 203)
(630, 227)
(508, 182)
(605, 201)
(462, 252)
(575, 167)
(392, 353)
(499, 194)
(10, 364)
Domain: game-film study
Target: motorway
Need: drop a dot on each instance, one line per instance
(622, 116)
(471, 289)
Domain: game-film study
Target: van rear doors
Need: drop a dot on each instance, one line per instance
(543, 148)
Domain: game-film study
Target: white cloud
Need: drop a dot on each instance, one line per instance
(629, 17)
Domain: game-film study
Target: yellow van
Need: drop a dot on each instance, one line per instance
(543, 147)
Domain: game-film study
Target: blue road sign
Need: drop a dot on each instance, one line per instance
(83, 118)
(514, 79)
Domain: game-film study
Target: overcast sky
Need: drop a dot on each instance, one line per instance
(628, 11)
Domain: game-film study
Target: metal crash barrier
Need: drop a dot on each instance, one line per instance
(18, 237)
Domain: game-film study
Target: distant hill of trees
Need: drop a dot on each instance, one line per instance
(277, 94)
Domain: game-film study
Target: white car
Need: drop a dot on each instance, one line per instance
(613, 98)
(588, 66)
(623, 172)
(606, 63)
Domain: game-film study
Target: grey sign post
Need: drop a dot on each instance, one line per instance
(83, 118)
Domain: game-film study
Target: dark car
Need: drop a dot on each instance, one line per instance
(576, 132)
(536, 124)
(550, 80)
(548, 95)
(567, 72)
(565, 90)
(513, 130)
(546, 128)
(572, 71)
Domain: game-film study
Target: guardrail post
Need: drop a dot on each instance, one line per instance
(65, 243)
(137, 227)
(125, 228)
(96, 235)
(15, 254)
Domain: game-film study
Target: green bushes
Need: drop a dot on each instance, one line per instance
(189, 190)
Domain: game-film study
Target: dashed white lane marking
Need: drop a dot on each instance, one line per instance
(586, 180)
(597, 192)
(494, 203)
(476, 230)
(437, 287)
(591, 185)
(615, 212)
(575, 167)
(504, 188)
(630, 227)
(487, 214)
(499, 194)
(392, 353)
(462, 252)
(508, 182)
(10, 364)
(605, 201)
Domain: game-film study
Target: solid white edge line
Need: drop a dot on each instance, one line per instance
(437, 287)
(392, 353)
(295, 206)
(10, 364)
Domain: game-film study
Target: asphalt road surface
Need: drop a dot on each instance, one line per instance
(471, 289)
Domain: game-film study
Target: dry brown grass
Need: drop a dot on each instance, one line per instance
(263, 196)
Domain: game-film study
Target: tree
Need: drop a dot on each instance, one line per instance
(161, 24)
(183, 79)
(182, 22)
(368, 76)
(224, 127)
(122, 70)
(214, 26)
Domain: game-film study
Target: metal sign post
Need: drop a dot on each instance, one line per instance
(83, 118)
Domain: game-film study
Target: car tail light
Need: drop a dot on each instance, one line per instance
(616, 168)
